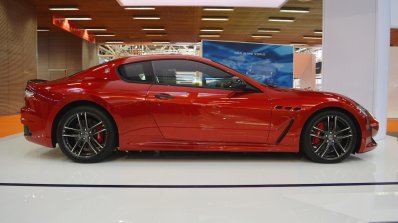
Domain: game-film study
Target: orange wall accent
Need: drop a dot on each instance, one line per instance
(10, 124)
(392, 125)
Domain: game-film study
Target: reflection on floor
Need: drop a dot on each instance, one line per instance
(23, 162)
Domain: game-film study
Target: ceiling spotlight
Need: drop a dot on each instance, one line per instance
(211, 29)
(215, 18)
(219, 9)
(104, 35)
(63, 8)
(77, 18)
(318, 31)
(268, 30)
(146, 17)
(295, 10)
(139, 8)
(42, 30)
(153, 29)
(114, 42)
(312, 37)
(281, 19)
(261, 36)
(209, 35)
(95, 29)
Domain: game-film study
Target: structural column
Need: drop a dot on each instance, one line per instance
(356, 44)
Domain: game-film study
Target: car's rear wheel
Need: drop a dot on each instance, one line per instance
(329, 137)
(86, 134)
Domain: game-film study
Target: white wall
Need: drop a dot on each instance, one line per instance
(393, 84)
(394, 13)
(356, 53)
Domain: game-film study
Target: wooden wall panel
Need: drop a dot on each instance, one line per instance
(17, 52)
(59, 55)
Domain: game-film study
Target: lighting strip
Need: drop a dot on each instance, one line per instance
(219, 9)
(153, 29)
(42, 30)
(312, 37)
(63, 8)
(146, 17)
(281, 19)
(211, 30)
(261, 36)
(161, 42)
(95, 29)
(139, 8)
(104, 34)
(155, 34)
(318, 31)
(114, 42)
(268, 30)
(209, 35)
(218, 18)
(295, 10)
(78, 18)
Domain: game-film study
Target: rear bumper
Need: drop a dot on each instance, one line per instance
(35, 127)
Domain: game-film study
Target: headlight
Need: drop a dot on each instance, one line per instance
(29, 93)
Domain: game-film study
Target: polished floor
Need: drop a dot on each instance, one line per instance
(40, 185)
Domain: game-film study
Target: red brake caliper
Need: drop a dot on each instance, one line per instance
(316, 140)
(100, 136)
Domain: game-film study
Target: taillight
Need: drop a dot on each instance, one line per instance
(29, 93)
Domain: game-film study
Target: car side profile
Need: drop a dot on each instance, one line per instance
(187, 103)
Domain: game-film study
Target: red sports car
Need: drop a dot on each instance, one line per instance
(189, 103)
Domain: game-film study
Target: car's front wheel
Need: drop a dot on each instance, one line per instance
(86, 134)
(329, 137)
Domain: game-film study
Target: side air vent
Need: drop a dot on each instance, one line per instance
(288, 108)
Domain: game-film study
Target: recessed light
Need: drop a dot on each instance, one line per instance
(205, 3)
(312, 37)
(104, 35)
(153, 29)
(156, 34)
(211, 29)
(139, 8)
(77, 18)
(42, 30)
(114, 42)
(295, 9)
(215, 18)
(63, 8)
(95, 29)
(218, 9)
(268, 30)
(209, 35)
(261, 36)
(160, 42)
(155, 17)
(318, 31)
(281, 19)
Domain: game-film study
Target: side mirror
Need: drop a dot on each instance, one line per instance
(237, 83)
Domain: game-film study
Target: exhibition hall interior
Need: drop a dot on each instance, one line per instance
(198, 111)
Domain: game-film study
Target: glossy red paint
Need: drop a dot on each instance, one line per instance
(205, 119)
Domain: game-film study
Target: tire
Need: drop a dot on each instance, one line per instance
(86, 134)
(329, 137)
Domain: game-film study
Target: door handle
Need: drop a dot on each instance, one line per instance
(163, 96)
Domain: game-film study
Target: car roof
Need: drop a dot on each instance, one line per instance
(163, 57)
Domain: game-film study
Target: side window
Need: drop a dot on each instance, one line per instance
(190, 73)
(135, 72)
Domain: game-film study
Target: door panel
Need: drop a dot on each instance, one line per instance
(209, 115)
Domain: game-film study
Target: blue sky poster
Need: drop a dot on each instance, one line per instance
(266, 63)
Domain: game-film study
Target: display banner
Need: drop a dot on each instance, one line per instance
(69, 26)
(266, 63)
